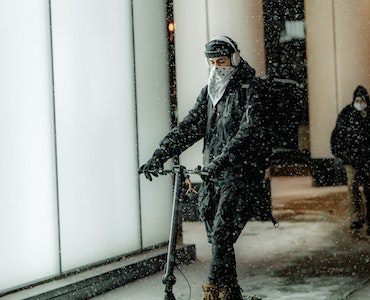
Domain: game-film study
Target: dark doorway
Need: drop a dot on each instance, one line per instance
(285, 46)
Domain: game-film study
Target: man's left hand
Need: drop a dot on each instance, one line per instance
(213, 169)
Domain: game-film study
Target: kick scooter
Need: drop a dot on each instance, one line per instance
(181, 173)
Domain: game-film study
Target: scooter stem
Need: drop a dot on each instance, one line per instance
(169, 278)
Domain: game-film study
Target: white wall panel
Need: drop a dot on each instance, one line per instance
(191, 67)
(243, 22)
(96, 135)
(28, 213)
(153, 113)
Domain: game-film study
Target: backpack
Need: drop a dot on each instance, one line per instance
(283, 100)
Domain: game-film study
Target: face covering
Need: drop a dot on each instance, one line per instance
(360, 106)
(218, 80)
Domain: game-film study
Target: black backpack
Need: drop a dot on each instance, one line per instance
(283, 100)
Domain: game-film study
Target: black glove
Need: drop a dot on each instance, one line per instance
(153, 165)
(213, 169)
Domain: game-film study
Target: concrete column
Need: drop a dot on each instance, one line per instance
(338, 44)
(321, 74)
(353, 47)
(191, 70)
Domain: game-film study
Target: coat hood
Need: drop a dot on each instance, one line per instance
(245, 72)
(360, 91)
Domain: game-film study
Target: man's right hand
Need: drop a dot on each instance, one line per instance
(153, 166)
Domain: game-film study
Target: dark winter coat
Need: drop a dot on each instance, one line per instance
(350, 139)
(234, 131)
(236, 136)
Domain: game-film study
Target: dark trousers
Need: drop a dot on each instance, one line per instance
(360, 204)
(227, 208)
(222, 271)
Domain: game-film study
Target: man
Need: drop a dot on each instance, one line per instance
(350, 142)
(230, 117)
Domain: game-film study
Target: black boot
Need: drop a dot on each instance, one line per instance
(231, 293)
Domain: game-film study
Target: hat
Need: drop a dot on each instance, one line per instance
(360, 91)
(217, 48)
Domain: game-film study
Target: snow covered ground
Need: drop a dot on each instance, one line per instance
(310, 256)
(305, 258)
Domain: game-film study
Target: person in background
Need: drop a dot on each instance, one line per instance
(231, 118)
(350, 142)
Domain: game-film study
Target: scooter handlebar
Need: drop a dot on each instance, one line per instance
(178, 169)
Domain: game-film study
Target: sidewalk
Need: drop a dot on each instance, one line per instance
(311, 256)
(362, 293)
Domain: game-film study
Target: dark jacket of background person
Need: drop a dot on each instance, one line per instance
(350, 139)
